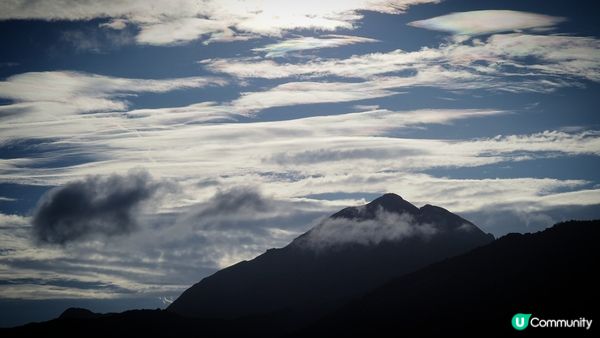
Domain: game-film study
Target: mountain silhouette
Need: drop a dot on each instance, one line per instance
(549, 274)
(307, 278)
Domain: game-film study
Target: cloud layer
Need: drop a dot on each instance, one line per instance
(182, 21)
(504, 62)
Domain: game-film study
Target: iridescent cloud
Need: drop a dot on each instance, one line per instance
(487, 22)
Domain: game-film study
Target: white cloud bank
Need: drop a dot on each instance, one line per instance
(180, 21)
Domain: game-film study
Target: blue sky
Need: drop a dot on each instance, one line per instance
(146, 144)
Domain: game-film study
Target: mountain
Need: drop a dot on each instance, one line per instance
(348, 254)
(550, 274)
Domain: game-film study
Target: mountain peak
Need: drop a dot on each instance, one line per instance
(388, 198)
(388, 202)
(393, 203)
(78, 313)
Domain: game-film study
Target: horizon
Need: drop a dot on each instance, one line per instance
(146, 145)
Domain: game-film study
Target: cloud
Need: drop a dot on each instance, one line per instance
(96, 41)
(12, 221)
(50, 94)
(248, 211)
(531, 217)
(178, 31)
(294, 93)
(181, 21)
(328, 155)
(504, 62)
(236, 200)
(488, 21)
(204, 112)
(116, 24)
(386, 226)
(307, 43)
(94, 206)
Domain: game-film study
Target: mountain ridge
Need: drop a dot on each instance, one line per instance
(547, 273)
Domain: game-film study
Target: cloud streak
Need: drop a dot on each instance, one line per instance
(47, 95)
(283, 48)
(295, 93)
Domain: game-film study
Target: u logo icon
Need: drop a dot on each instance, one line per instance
(520, 321)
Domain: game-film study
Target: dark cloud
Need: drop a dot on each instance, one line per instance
(97, 205)
(246, 208)
(235, 200)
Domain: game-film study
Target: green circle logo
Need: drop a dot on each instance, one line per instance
(520, 321)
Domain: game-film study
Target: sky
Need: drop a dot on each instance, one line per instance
(146, 144)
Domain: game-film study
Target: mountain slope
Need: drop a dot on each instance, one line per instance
(551, 274)
(311, 276)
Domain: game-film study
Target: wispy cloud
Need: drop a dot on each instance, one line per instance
(96, 41)
(52, 94)
(294, 93)
(488, 21)
(179, 30)
(181, 21)
(302, 148)
(505, 62)
(307, 43)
